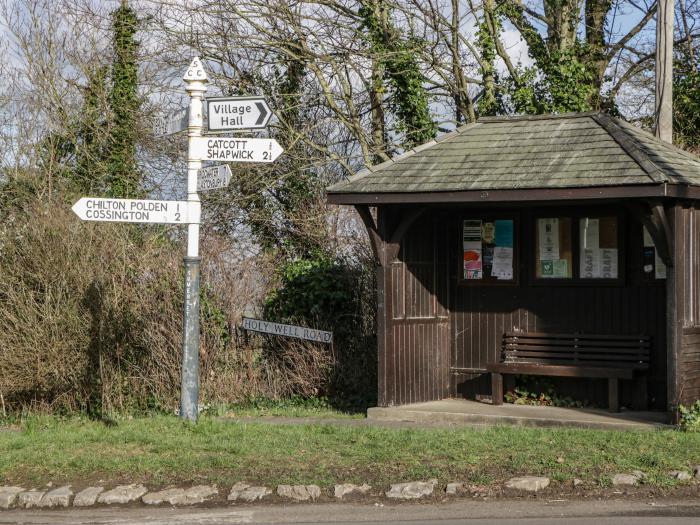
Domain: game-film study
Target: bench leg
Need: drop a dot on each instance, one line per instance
(496, 388)
(613, 394)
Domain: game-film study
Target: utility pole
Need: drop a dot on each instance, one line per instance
(195, 84)
(663, 110)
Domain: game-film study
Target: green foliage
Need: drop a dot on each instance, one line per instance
(690, 417)
(562, 84)
(564, 79)
(94, 151)
(337, 296)
(540, 392)
(282, 201)
(124, 102)
(315, 290)
(282, 209)
(686, 101)
(398, 56)
(489, 30)
(90, 171)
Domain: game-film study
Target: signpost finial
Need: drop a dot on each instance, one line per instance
(195, 71)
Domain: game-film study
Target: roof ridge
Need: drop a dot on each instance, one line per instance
(630, 145)
(668, 145)
(543, 116)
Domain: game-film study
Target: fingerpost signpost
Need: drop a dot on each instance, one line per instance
(244, 113)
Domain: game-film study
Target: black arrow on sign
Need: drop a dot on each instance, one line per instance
(263, 113)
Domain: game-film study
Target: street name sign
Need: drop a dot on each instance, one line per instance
(172, 123)
(133, 210)
(288, 330)
(213, 177)
(236, 113)
(235, 149)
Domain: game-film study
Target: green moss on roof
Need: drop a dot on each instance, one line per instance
(545, 151)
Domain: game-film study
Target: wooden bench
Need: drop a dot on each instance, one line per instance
(613, 357)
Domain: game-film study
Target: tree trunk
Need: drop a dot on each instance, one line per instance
(596, 62)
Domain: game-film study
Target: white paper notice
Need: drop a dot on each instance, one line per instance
(590, 264)
(548, 230)
(471, 245)
(590, 234)
(608, 263)
(502, 267)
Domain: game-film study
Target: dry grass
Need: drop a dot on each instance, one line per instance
(91, 319)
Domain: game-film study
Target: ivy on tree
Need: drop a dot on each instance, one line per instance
(397, 57)
(569, 69)
(686, 99)
(123, 174)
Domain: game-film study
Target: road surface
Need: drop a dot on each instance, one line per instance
(502, 512)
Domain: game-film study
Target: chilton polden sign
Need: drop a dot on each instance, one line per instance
(132, 210)
(213, 177)
(288, 330)
(236, 113)
(235, 149)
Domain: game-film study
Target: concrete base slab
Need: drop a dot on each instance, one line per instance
(474, 413)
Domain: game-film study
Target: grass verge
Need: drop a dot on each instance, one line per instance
(162, 450)
(292, 407)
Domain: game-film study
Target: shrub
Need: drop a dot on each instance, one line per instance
(690, 417)
(91, 319)
(337, 295)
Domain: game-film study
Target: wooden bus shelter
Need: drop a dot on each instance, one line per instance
(564, 246)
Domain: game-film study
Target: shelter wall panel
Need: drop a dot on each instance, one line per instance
(397, 291)
(689, 367)
(689, 358)
(481, 315)
(419, 327)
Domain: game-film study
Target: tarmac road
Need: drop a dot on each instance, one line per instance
(502, 512)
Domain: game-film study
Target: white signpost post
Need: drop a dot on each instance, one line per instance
(235, 149)
(237, 113)
(213, 177)
(189, 212)
(170, 124)
(195, 84)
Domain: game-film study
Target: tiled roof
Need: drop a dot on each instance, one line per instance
(548, 151)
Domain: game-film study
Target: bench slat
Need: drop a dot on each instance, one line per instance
(560, 370)
(630, 358)
(577, 342)
(574, 355)
(569, 362)
(546, 335)
(596, 350)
